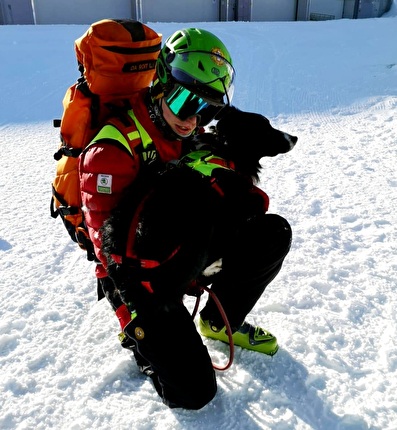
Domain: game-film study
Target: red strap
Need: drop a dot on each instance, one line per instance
(148, 286)
(124, 315)
(217, 188)
(265, 197)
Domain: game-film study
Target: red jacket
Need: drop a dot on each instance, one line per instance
(105, 162)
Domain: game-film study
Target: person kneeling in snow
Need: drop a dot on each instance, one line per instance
(156, 229)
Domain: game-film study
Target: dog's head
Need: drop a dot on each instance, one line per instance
(246, 137)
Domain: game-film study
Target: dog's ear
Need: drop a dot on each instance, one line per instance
(228, 119)
(239, 125)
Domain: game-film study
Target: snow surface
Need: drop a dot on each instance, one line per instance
(332, 307)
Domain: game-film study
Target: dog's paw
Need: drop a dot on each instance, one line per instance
(213, 268)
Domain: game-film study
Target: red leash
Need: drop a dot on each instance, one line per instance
(225, 320)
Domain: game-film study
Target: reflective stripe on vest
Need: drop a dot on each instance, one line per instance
(110, 131)
(146, 139)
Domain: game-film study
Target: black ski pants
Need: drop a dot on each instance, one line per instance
(251, 259)
(163, 336)
(168, 349)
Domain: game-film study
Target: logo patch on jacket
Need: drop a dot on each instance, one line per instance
(104, 183)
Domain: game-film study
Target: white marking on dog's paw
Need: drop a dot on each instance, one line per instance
(214, 268)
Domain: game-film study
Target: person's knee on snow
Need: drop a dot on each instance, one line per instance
(180, 366)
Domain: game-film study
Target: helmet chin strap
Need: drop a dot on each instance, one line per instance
(156, 115)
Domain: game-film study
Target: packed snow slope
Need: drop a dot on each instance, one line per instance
(333, 305)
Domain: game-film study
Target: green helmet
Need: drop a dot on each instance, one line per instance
(198, 61)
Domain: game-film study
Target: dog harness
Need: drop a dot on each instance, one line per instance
(204, 162)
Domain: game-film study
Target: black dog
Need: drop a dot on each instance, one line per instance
(163, 237)
(245, 138)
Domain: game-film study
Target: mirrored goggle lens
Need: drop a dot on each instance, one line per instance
(183, 103)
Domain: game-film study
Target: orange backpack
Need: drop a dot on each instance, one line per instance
(115, 58)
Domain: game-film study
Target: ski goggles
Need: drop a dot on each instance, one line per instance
(183, 103)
